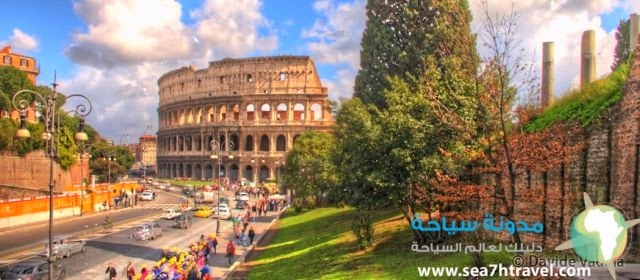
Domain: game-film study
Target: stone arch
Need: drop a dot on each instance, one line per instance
(223, 142)
(265, 111)
(208, 144)
(236, 112)
(281, 112)
(181, 117)
(180, 170)
(208, 171)
(222, 113)
(198, 142)
(316, 112)
(180, 143)
(233, 172)
(248, 144)
(174, 170)
(199, 117)
(187, 171)
(188, 143)
(236, 142)
(211, 114)
(197, 171)
(190, 116)
(251, 112)
(248, 172)
(264, 143)
(281, 143)
(264, 173)
(298, 112)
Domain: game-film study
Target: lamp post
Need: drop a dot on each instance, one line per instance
(82, 182)
(123, 136)
(20, 101)
(215, 155)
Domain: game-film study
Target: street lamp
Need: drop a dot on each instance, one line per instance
(20, 101)
(82, 181)
(215, 155)
(123, 136)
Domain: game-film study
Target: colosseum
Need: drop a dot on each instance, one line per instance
(237, 115)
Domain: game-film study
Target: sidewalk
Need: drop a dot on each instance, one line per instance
(219, 263)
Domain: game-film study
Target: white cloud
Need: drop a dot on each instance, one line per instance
(128, 44)
(335, 39)
(20, 41)
(563, 23)
(232, 28)
(128, 32)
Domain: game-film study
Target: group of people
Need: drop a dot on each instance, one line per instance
(177, 264)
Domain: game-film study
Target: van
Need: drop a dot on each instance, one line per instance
(171, 214)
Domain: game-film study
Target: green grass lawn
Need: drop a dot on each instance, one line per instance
(318, 244)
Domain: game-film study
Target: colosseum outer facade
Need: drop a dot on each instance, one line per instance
(248, 111)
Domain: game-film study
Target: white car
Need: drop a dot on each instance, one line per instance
(171, 214)
(225, 213)
(146, 196)
(242, 196)
(223, 206)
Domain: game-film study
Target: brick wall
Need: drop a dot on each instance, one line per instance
(32, 172)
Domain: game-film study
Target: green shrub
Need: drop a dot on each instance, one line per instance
(583, 106)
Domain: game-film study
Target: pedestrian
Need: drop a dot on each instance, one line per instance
(252, 234)
(231, 251)
(130, 271)
(110, 272)
(214, 244)
(193, 272)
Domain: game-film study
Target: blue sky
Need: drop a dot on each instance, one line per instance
(114, 51)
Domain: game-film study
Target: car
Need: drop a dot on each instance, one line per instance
(146, 231)
(203, 212)
(242, 196)
(36, 269)
(146, 195)
(223, 206)
(241, 204)
(223, 200)
(183, 221)
(64, 248)
(225, 213)
(171, 214)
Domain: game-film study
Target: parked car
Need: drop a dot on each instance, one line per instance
(225, 213)
(64, 248)
(147, 231)
(203, 212)
(37, 269)
(183, 221)
(146, 195)
(171, 214)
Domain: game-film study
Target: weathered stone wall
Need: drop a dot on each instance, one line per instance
(32, 172)
(606, 168)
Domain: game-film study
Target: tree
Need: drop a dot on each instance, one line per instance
(101, 151)
(12, 80)
(622, 51)
(310, 170)
(398, 36)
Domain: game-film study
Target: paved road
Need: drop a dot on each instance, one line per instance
(15, 242)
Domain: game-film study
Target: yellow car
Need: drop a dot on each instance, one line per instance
(203, 212)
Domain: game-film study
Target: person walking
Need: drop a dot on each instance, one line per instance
(214, 244)
(110, 272)
(130, 271)
(231, 251)
(252, 233)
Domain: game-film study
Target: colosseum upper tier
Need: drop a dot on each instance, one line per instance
(237, 115)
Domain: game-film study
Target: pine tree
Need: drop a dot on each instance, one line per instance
(400, 34)
(622, 51)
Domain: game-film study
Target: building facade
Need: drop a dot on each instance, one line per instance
(146, 150)
(237, 118)
(25, 63)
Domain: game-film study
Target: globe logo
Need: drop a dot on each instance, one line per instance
(599, 233)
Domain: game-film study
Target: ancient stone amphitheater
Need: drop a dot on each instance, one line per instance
(247, 111)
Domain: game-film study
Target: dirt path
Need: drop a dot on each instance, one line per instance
(242, 272)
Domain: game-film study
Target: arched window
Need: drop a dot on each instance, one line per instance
(282, 112)
(316, 112)
(251, 112)
(264, 143)
(223, 113)
(264, 173)
(236, 143)
(266, 111)
(210, 114)
(236, 112)
(298, 112)
(281, 143)
(248, 145)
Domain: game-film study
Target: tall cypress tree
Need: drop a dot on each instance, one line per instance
(401, 33)
(622, 51)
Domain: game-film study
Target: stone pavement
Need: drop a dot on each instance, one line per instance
(218, 262)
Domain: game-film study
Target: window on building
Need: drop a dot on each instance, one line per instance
(249, 78)
(222, 79)
(283, 76)
(6, 59)
(24, 62)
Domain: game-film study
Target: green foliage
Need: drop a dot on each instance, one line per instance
(583, 106)
(622, 50)
(310, 170)
(12, 80)
(400, 34)
(101, 151)
(67, 149)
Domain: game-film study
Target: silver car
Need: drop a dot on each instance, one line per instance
(32, 270)
(147, 231)
(64, 248)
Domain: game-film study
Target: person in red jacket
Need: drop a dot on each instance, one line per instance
(231, 251)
